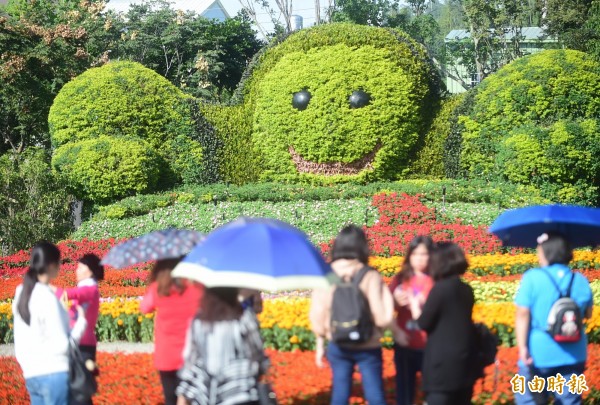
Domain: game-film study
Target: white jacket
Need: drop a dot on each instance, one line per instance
(41, 347)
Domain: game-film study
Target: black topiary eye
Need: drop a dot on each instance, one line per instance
(359, 99)
(301, 99)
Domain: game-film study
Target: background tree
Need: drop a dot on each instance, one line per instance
(34, 203)
(205, 58)
(43, 44)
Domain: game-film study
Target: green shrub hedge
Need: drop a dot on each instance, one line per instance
(125, 100)
(107, 168)
(504, 195)
(236, 159)
(542, 105)
(332, 61)
(430, 158)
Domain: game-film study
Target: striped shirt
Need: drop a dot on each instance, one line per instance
(223, 362)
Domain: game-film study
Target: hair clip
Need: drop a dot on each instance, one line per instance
(542, 238)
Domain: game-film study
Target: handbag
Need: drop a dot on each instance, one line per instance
(266, 395)
(82, 383)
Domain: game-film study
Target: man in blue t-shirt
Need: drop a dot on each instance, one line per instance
(539, 354)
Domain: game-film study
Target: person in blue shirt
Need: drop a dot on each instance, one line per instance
(539, 354)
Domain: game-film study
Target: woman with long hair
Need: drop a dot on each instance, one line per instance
(88, 272)
(447, 319)
(411, 281)
(350, 257)
(176, 302)
(41, 328)
(224, 357)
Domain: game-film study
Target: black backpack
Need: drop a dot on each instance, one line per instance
(351, 319)
(565, 323)
(485, 349)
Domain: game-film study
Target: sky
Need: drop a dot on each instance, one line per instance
(304, 8)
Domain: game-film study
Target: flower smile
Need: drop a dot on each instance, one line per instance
(334, 168)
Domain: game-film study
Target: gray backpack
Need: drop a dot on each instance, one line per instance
(565, 323)
(351, 319)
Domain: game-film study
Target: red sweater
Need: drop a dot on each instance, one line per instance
(418, 284)
(174, 313)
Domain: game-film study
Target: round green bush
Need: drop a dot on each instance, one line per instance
(536, 90)
(119, 99)
(329, 138)
(127, 100)
(108, 168)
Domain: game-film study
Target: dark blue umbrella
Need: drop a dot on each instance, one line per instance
(521, 227)
(257, 253)
(165, 244)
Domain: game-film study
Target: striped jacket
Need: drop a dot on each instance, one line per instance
(223, 362)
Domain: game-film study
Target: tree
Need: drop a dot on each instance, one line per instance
(34, 203)
(364, 12)
(576, 23)
(495, 34)
(203, 57)
(43, 44)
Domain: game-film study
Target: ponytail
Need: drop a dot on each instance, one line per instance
(43, 255)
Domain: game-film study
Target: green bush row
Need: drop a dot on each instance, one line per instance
(504, 195)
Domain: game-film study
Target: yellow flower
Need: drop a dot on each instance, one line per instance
(150, 315)
(140, 318)
(294, 339)
(120, 322)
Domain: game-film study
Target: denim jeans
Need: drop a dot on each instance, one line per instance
(408, 362)
(370, 365)
(50, 389)
(566, 398)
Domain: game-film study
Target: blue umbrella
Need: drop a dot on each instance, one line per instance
(159, 245)
(521, 227)
(257, 253)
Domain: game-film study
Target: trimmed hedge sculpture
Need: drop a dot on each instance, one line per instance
(340, 102)
(127, 102)
(108, 168)
(536, 121)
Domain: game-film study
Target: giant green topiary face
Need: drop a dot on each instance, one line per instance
(336, 110)
(340, 102)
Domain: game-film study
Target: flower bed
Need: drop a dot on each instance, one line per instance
(131, 378)
(284, 322)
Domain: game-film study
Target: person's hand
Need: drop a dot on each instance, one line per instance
(524, 356)
(181, 400)
(53, 288)
(400, 337)
(80, 311)
(319, 356)
(401, 297)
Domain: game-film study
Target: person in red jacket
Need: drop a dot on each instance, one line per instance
(175, 301)
(89, 272)
(412, 282)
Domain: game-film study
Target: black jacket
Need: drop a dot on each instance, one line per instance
(447, 320)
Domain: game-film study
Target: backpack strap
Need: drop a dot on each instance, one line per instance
(561, 295)
(357, 278)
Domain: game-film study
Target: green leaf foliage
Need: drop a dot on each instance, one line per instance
(34, 202)
(237, 161)
(534, 120)
(124, 100)
(430, 159)
(118, 99)
(332, 61)
(108, 168)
